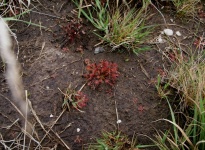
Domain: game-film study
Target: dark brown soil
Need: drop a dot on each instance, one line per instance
(46, 67)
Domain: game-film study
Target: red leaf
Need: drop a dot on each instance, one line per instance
(140, 108)
(103, 72)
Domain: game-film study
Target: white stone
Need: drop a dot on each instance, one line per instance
(159, 39)
(78, 129)
(178, 33)
(51, 116)
(168, 32)
(99, 50)
(119, 121)
(162, 32)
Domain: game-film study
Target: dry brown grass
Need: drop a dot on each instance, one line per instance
(188, 77)
(186, 7)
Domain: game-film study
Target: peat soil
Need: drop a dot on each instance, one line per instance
(51, 62)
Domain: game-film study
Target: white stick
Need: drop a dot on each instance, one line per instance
(12, 67)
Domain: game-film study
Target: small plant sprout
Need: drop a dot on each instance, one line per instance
(104, 72)
(163, 91)
(113, 141)
(77, 99)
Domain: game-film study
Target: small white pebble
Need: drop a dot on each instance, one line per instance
(168, 32)
(119, 121)
(51, 116)
(172, 20)
(99, 50)
(178, 33)
(162, 32)
(78, 129)
(47, 87)
(160, 40)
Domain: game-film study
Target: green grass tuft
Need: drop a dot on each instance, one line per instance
(121, 26)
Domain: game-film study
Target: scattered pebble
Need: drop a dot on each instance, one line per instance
(78, 129)
(47, 87)
(162, 32)
(168, 32)
(99, 50)
(83, 32)
(119, 121)
(51, 116)
(159, 39)
(178, 33)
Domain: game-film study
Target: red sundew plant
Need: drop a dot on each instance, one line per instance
(81, 99)
(77, 99)
(72, 30)
(103, 72)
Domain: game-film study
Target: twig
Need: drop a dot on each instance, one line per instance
(56, 134)
(47, 132)
(159, 12)
(30, 136)
(15, 140)
(9, 127)
(29, 145)
(117, 116)
(38, 120)
(144, 71)
(69, 125)
(13, 105)
(3, 142)
(67, 64)
(82, 86)
(47, 15)
(25, 124)
(163, 53)
(61, 7)
(47, 77)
